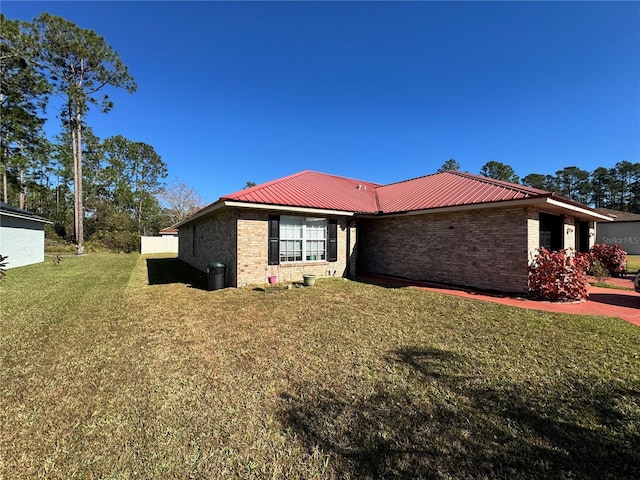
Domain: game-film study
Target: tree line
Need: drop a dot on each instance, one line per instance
(111, 191)
(108, 191)
(616, 188)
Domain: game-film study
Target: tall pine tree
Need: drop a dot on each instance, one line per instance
(78, 64)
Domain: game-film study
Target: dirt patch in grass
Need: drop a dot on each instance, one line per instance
(114, 367)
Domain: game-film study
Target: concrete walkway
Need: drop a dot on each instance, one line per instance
(608, 302)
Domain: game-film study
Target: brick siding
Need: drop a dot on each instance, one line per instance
(239, 239)
(533, 233)
(485, 248)
(215, 242)
(253, 256)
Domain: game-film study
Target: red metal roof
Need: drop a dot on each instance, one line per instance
(321, 191)
(313, 190)
(329, 192)
(447, 189)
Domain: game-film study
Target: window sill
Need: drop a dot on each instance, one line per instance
(304, 264)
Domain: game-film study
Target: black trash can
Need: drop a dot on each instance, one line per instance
(215, 273)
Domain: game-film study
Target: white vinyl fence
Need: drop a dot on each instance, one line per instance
(162, 244)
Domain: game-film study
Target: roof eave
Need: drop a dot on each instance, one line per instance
(222, 204)
(536, 201)
(288, 208)
(581, 210)
(201, 213)
(33, 218)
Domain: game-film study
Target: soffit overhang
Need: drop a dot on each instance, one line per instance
(547, 204)
(228, 204)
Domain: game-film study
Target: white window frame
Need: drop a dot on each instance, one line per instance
(306, 238)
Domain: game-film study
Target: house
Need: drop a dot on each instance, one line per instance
(21, 236)
(624, 230)
(450, 227)
(169, 231)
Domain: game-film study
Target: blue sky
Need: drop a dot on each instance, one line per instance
(381, 91)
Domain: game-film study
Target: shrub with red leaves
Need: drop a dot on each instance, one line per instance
(585, 258)
(559, 275)
(612, 257)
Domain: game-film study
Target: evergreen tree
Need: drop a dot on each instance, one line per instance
(136, 172)
(573, 183)
(78, 63)
(536, 180)
(450, 164)
(499, 171)
(23, 96)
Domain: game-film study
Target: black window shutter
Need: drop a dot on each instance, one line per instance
(274, 239)
(332, 250)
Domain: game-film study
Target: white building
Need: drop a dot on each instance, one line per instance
(624, 230)
(21, 236)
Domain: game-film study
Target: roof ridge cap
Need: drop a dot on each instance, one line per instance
(501, 183)
(275, 181)
(344, 178)
(262, 185)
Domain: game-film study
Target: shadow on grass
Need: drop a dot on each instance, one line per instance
(397, 282)
(381, 281)
(438, 419)
(162, 271)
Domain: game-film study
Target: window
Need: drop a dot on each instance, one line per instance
(297, 239)
(315, 242)
(291, 239)
(302, 238)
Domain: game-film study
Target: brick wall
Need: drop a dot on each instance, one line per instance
(238, 238)
(485, 248)
(252, 247)
(252, 253)
(215, 242)
(533, 230)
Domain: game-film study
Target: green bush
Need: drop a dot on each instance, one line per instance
(598, 270)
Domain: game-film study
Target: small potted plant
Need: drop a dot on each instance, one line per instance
(308, 279)
(272, 279)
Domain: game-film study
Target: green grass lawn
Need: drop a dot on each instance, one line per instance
(104, 375)
(633, 263)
